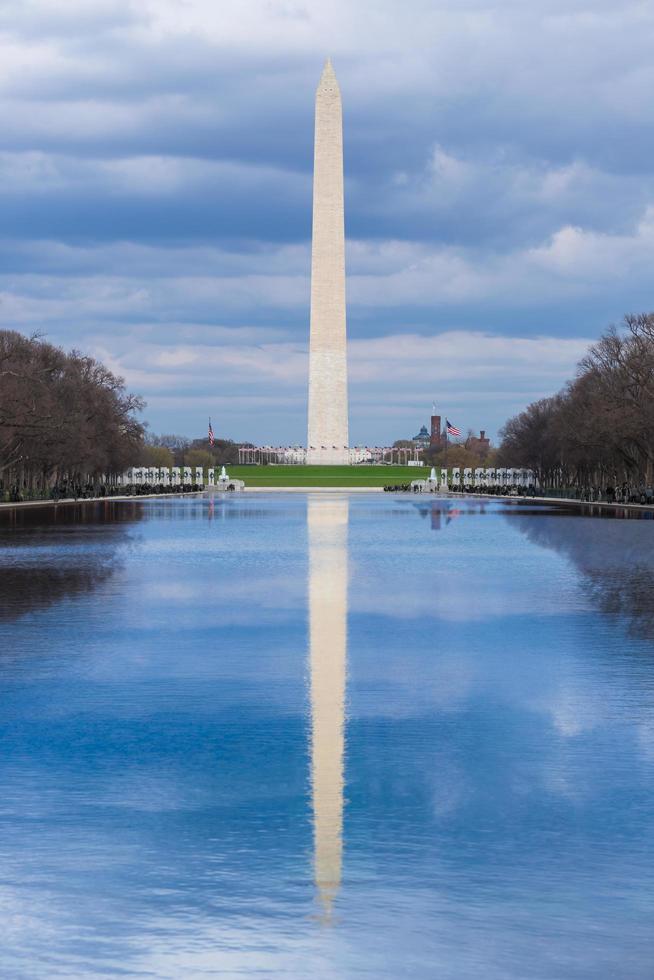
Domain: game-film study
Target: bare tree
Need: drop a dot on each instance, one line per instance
(600, 428)
(63, 417)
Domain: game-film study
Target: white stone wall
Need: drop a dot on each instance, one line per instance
(328, 408)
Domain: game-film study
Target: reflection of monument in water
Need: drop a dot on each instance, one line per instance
(327, 527)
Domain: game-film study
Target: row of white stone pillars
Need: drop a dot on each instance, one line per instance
(479, 477)
(175, 476)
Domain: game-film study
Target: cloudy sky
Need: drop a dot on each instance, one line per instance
(155, 168)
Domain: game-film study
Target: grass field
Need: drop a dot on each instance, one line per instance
(326, 476)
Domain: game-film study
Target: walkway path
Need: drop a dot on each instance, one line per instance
(564, 501)
(455, 495)
(94, 500)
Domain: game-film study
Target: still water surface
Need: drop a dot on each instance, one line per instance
(331, 737)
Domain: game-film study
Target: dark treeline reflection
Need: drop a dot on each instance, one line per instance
(52, 553)
(44, 517)
(615, 558)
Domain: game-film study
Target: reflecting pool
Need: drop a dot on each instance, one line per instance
(326, 736)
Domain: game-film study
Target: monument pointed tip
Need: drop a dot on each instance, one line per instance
(328, 74)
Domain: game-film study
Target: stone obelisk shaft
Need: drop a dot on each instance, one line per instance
(328, 422)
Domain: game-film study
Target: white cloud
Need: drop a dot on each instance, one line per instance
(591, 257)
(392, 379)
(37, 172)
(459, 356)
(573, 261)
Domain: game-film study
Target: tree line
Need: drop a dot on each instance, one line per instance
(67, 422)
(174, 450)
(599, 429)
(65, 419)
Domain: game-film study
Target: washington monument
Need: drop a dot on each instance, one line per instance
(328, 422)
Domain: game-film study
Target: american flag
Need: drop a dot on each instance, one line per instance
(211, 436)
(452, 429)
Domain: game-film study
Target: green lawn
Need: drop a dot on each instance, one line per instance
(326, 476)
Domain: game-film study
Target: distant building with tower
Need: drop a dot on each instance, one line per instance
(436, 433)
(423, 437)
(429, 438)
(480, 445)
(434, 438)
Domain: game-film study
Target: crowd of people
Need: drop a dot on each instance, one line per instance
(420, 486)
(625, 493)
(66, 490)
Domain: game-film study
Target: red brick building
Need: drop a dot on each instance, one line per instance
(479, 445)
